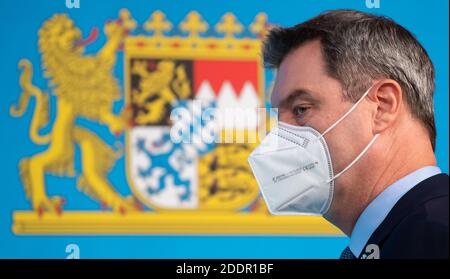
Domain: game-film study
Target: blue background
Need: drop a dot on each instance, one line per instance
(19, 23)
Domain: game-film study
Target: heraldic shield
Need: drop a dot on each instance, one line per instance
(193, 75)
(191, 99)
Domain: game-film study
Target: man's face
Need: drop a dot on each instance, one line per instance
(306, 96)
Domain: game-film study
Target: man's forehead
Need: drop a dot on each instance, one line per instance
(299, 71)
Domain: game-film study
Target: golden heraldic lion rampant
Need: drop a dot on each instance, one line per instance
(159, 90)
(84, 86)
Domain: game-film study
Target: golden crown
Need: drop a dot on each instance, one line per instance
(226, 37)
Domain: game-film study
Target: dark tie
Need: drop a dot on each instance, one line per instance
(347, 254)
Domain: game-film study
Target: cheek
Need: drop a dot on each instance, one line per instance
(286, 117)
(346, 141)
(338, 148)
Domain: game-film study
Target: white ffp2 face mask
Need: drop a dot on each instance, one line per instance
(294, 170)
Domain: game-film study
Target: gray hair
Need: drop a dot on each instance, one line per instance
(360, 47)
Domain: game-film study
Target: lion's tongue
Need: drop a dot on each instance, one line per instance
(92, 37)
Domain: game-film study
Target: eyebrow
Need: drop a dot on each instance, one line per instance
(295, 94)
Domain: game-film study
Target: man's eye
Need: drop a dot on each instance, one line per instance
(299, 110)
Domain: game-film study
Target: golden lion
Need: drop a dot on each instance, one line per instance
(159, 90)
(84, 87)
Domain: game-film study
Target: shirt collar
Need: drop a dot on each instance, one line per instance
(378, 209)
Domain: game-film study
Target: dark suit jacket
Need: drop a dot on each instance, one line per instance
(417, 226)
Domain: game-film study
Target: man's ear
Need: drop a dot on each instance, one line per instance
(388, 97)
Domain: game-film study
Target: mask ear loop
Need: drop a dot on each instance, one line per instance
(355, 160)
(346, 114)
(336, 123)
